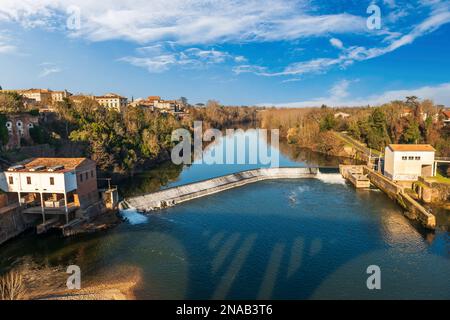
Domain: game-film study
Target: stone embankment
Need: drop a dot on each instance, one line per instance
(414, 210)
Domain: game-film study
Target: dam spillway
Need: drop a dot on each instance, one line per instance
(172, 196)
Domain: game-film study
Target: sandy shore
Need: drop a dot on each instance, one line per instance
(50, 284)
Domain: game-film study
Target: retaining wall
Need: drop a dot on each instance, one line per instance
(12, 223)
(414, 209)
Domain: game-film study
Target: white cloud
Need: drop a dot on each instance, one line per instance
(336, 43)
(48, 69)
(439, 16)
(161, 58)
(440, 94)
(340, 89)
(240, 59)
(6, 48)
(6, 45)
(183, 21)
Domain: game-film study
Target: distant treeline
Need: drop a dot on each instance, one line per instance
(409, 121)
(218, 116)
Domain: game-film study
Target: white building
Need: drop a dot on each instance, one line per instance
(406, 162)
(342, 115)
(52, 185)
(112, 101)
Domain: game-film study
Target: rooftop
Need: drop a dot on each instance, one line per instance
(110, 95)
(50, 164)
(446, 113)
(411, 147)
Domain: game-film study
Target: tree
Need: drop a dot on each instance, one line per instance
(183, 101)
(377, 136)
(11, 102)
(412, 133)
(4, 136)
(328, 122)
(39, 135)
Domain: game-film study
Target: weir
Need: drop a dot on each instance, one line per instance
(175, 195)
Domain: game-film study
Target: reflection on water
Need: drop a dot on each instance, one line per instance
(169, 175)
(284, 239)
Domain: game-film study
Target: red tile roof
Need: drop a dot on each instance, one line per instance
(446, 113)
(68, 163)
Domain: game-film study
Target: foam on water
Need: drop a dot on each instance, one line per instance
(133, 217)
(331, 178)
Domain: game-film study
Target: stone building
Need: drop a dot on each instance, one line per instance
(19, 126)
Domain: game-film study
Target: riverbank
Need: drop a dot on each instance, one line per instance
(49, 283)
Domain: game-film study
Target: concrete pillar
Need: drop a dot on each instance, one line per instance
(42, 207)
(65, 206)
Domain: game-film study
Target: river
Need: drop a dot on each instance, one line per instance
(284, 239)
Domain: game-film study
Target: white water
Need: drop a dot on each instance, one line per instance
(331, 178)
(133, 217)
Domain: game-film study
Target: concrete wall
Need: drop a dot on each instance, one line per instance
(87, 190)
(172, 196)
(383, 183)
(431, 191)
(414, 209)
(13, 223)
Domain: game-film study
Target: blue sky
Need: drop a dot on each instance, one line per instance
(272, 52)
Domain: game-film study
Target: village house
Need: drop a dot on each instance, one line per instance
(342, 115)
(143, 103)
(170, 106)
(408, 162)
(112, 101)
(58, 96)
(407, 112)
(52, 187)
(156, 103)
(18, 126)
(42, 98)
(446, 117)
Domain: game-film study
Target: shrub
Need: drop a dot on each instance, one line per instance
(12, 286)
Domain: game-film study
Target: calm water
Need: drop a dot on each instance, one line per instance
(284, 239)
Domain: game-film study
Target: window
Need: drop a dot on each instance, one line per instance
(417, 158)
(92, 173)
(10, 180)
(52, 181)
(87, 175)
(28, 180)
(404, 158)
(410, 158)
(81, 177)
